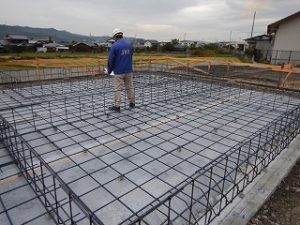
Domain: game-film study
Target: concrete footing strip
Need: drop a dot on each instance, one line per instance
(244, 207)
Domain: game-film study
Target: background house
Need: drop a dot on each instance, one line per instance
(262, 44)
(2, 43)
(286, 40)
(151, 44)
(17, 43)
(188, 44)
(55, 47)
(155, 45)
(162, 43)
(82, 47)
(20, 43)
(16, 40)
(200, 44)
(109, 42)
(89, 47)
(138, 47)
(40, 42)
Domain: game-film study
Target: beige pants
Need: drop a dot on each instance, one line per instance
(128, 82)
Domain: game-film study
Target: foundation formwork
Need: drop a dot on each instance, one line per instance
(192, 144)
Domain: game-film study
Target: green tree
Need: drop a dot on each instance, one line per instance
(175, 41)
(211, 46)
(168, 47)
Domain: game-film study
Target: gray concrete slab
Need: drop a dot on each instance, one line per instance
(143, 152)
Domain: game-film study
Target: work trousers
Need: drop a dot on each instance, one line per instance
(128, 82)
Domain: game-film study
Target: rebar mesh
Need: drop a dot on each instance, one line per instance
(192, 144)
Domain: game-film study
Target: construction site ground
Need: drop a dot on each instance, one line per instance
(285, 201)
(283, 207)
(24, 61)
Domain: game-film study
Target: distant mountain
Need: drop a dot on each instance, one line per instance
(43, 33)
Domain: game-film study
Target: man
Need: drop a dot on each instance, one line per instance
(120, 64)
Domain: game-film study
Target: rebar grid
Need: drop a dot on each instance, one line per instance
(18, 203)
(220, 182)
(191, 140)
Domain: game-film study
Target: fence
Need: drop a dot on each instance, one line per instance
(278, 57)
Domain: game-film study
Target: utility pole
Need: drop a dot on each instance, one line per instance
(230, 35)
(253, 24)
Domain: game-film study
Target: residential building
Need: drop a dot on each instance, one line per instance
(82, 47)
(109, 43)
(40, 42)
(286, 40)
(139, 47)
(62, 48)
(262, 44)
(180, 48)
(200, 44)
(41, 49)
(188, 44)
(16, 40)
(162, 43)
(2, 43)
(55, 47)
(151, 43)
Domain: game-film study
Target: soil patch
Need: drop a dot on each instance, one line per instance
(283, 207)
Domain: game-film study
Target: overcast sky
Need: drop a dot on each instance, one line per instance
(208, 20)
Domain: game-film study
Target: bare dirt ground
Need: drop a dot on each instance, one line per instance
(8, 61)
(283, 207)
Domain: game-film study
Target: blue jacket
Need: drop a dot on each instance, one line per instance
(120, 57)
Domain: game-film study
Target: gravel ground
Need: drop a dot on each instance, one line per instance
(283, 207)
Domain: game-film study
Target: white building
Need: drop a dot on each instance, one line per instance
(286, 40)
(200, 44)
(53, 47)
(187, 43)
(150, 43)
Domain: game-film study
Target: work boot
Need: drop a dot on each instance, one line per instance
(131, 105)
(114, 108)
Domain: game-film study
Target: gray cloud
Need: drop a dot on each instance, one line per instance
(162, 20)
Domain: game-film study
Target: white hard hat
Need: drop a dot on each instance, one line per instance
(116, 31)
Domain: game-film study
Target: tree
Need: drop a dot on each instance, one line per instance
(168, 47)
(211, 46)
(175, 42)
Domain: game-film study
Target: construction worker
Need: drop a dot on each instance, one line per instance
(120, 66)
